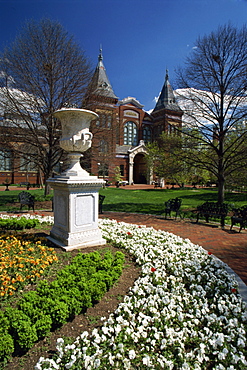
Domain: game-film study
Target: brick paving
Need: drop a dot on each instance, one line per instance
(228, 246)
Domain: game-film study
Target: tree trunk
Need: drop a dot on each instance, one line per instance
(47, 189)
(221, 188)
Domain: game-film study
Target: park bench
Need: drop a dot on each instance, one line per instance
(157, 184)
(214, 210)
(239, 217)
(101, 200)
(25, 183)
(26, 199)
(173, 205)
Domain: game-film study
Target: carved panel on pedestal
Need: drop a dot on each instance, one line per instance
(84, 209)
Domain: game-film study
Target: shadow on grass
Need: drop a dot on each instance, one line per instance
(147, 208)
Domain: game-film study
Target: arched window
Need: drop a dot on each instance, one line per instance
(147, 135)
(130, 134)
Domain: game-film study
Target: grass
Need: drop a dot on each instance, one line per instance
(147, 201)
(151, 201)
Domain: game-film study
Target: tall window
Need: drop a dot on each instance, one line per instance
(104, 120)
(147, 135)
(109, 120)
(130, 134)
(121, 169)
(103, 146)
(5, 160)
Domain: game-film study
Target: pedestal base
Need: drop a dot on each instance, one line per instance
(76, 212)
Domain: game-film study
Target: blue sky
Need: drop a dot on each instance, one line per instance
(140, 38)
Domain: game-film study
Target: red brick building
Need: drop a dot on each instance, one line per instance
(124, 128)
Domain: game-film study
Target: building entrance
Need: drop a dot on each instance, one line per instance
(140, 169)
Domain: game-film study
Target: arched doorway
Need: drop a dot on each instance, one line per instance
(140, 169)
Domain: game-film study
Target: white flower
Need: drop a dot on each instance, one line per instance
(132, 354)
(146, 360)
(97, 363)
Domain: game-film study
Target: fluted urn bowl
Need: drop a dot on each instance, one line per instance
(75, 122)
(76, 137)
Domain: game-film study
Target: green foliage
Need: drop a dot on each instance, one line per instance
(77, 287)
(6, 347)
(23, 332)
(117, 174)
(59, 312)
(26, 334)
(18, 223)
(43, 325)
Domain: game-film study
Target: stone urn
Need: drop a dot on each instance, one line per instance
(76, 137)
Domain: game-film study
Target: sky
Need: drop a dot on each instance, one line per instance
(140, 38)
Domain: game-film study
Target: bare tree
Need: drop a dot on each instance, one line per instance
(214, 100)
(41, 72)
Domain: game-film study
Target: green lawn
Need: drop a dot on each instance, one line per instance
(151, 201)
(9, 199)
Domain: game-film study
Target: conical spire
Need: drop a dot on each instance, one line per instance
(100, 84)
(166, 98)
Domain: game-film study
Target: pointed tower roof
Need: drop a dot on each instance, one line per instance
(166, 98)
(100, 84)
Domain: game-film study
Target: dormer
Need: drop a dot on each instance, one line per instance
(131, 101)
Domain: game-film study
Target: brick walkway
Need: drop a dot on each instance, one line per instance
(228, 246)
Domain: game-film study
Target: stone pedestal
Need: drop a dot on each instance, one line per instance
(76, 212)
(75, 191)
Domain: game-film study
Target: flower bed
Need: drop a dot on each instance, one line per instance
(22, 262)
(184, 312)
(78, 286)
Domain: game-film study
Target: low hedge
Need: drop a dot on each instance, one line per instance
(77, 287)
(18, 223)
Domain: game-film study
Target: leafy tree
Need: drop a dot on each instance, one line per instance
(42, 71)
(117, 174)
(167, 157)
(214, 101)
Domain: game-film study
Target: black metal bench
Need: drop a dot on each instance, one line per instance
(101, 200)
(173, 205)
(239, 217)
(25, 183)
(214, 210)
(157, 184)
(26, 199)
